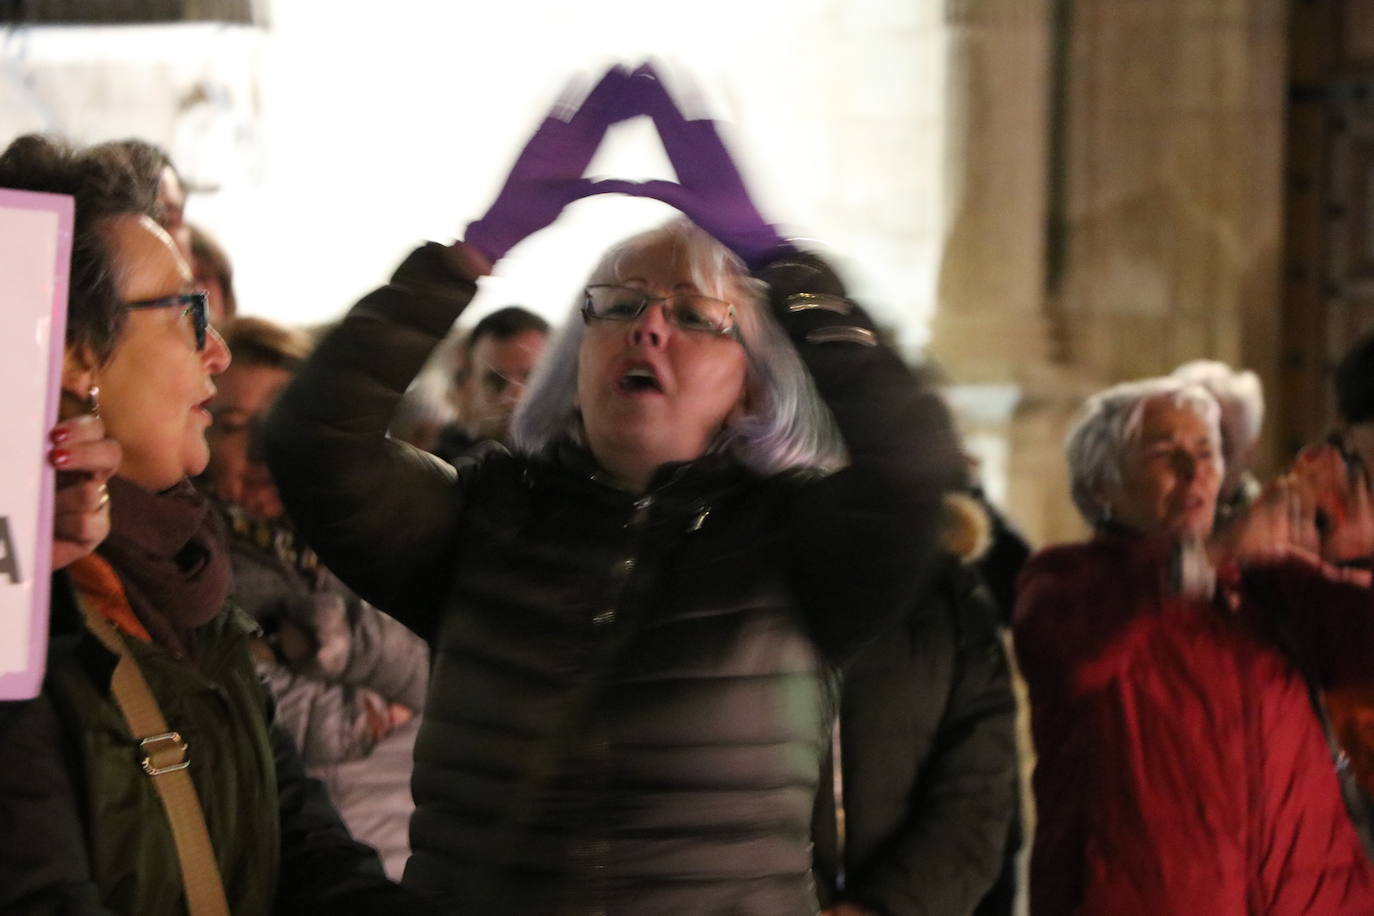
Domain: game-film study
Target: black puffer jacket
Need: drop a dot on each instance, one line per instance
(629, 695)
(928, 754)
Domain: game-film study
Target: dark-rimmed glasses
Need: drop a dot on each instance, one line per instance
(196, 304)
(688, 311)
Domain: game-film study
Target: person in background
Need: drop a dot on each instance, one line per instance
(493, 366)
(637, 611)
(213, 273)
(86, 827)
(155, 170)
(1182, 766)
(426, 408)
(1241, 399)
(926, 752)
(1351, 708)
(348, 680)
(210, 265)
(1354, 389)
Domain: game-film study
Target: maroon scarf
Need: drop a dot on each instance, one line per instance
(170, 557)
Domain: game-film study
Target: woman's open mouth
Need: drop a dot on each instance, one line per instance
(639, 380)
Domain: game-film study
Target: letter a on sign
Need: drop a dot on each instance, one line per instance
(9, 563)
(35, 254)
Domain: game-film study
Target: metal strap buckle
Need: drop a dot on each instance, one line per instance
(802, 302)
(843, 334)
(179, 746)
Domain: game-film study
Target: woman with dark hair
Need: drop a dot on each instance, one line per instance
(635, 616)
(213, 271)
(158, 175)
(207, 812)
(1182, 761)
(348, 680)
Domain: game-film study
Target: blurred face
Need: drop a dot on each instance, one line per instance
(207, 279)
(1170, 474)
(171, 210)
(237, 473)
(155, 388)
(495, 380)
(1360, 438)
(650, 392)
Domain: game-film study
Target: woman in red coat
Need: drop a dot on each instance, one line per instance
(1182, 765)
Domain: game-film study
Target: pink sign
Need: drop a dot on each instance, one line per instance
(35, 255)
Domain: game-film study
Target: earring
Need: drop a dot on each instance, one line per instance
(93, 401)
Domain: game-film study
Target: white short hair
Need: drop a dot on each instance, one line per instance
(1109, 421)
(786, 426)
(1241, 398)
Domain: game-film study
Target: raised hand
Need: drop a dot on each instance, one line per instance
(1351, 537)
(709, 189)
(548, 174)
(85, 458)
(1342, 495)
(1279, 524)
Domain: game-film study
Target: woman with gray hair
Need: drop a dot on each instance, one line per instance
(780, 425)
(1241, 398)
(636, 615)
(1111, 423)
(1182, 766)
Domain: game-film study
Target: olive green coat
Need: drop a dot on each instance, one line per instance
(82, 829)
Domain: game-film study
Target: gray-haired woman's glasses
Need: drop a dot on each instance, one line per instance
(688, 311)
(195, 304)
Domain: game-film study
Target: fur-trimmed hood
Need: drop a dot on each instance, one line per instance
(965, 530)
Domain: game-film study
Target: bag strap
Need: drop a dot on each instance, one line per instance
(166, 761)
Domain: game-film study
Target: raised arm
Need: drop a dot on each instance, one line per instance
(1323, 615)
(1288, 545)
(379, 511)
(382, 514)
(861, 536)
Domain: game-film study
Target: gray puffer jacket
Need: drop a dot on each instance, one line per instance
(334, 654)
(630, 694)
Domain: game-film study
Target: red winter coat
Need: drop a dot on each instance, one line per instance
(1182, 768)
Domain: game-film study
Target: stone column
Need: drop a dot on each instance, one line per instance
(991, 334)
(991, 278)
(1113, 209)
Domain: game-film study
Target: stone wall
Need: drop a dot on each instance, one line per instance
(1079, 191)
(140, 12)
(1152, 236)
(328, 143)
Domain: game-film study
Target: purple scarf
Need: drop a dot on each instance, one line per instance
(170, 557)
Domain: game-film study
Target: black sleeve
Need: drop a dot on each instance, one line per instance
(380, 513)
(1001, 565)
(950, 848)
(861, 539)
(44, 867)
(323, 869)
(1323, 616)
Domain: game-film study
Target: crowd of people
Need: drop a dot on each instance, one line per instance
(691, 604)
